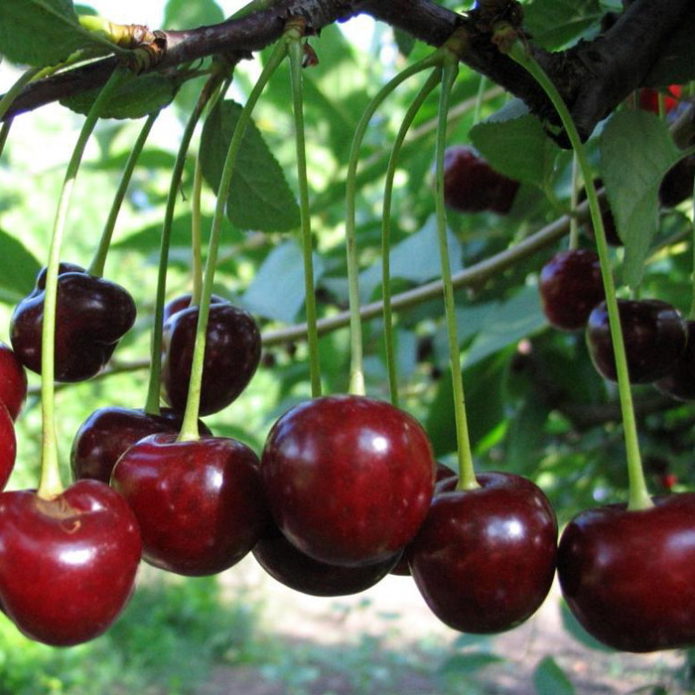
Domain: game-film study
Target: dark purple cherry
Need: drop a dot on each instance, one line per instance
(92, 315)
(349, 479)
(13, 381)
(108, 432)
(232, 354)
(484, 559)
(679, 383)
(67, 565)
(183, 302)
(472, 185)
(199, 504)
(629, 576)
(295, 569)
(654, 334)
(570, 286)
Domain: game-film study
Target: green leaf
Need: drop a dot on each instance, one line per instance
(42, 32)
(184, 14)
(550, 679)
(259, 197)
(465, 664)
(263, 296)
(517, 147)
(136, 98)
(636, 151)
(558, 23)
(404, 41)
(19, 269)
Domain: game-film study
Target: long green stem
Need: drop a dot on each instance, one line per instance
(197, 233)
(638, 494)
(356, 355)
(50, 484)
(189, 427)
(295, 54)
(389, 341)
(210, 88)
(4, 132)
(466, 471)
(97, 266)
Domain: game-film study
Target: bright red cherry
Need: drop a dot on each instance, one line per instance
(232, 354)
(484, 559)
(67, 565)
(13, 381)
(199, 504)
(649, 98)
(349, 479)
(629, 576)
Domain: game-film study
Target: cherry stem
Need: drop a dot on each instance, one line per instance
(296, 56)
(638, 494)
(466, 471)
(4, 132)
(389, 341)
(189, 426)
(97, 266)
(197, 233)
(50, 484)
(153, 390)
(356, 357)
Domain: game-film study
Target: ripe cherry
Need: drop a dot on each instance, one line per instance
(8, 446)
(570, 286)
(232, 354)
(67, 564)
(13, 381)
(92, 315)
(629, 576)
(348, 479)
(649, 98)
(654, 334)
(199, 504)
(484, 559)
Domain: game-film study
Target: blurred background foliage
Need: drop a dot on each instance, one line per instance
(535, 404)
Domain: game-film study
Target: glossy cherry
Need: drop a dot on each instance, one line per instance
(232, 354)
(349, 479)
(8, 446)
(570, 286)
(654, 334)
(472, 185)
(199, 504)
(108, 432)
(92, 315)
(629, 576)
(67, 565)
(182, 302)
(679, 383)
(13, 381)
(295, 569)
(484, 559)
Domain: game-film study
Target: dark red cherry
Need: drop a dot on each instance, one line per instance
(232, 354)
(679, 383)
(199, 504)
(108, 432)
(629, 576)
(13, 381)
(649, 98)
(472, 185)
(654, 334)
(67, 564)
(484, 559)
(295, 569)
(183, 302)
(92, 315)
(349, 479)
(8, 446)
(570, 286)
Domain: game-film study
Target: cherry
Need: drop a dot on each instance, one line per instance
(570, 286)
(679, 383)
(8, 446)
(13, 381)
(349, 479)
(654, 334)
(182, 302)
(232, 354)
(295, 569)
(199, 504)
(472, 185)
(484, 559)
(92, 315)
(629, 576)
(649, 98)
(108, 432)
(67, 564)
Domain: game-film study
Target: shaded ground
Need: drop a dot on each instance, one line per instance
(386, 641)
